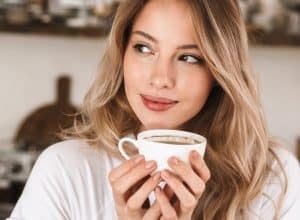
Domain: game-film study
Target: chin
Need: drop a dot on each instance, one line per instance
(158, 126)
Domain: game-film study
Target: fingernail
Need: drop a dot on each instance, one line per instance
(174, 160)
(138, 158)
(195, 154)
(156, 176)
(165, 174)
(150, 164)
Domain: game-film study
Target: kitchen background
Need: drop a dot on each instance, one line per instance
(49, 55)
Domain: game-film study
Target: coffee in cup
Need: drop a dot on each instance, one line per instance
(161, 144)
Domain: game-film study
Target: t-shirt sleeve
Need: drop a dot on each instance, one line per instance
(43, 195)
(290, 209)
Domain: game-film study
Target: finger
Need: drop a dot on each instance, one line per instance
(136, 201)
(153, 212)
(168, 212)
(187, 174)
(186, 198)
(199, 165)
(171, 196)
(124, 168)
(169, 192)
(129, 179)
(135, 187)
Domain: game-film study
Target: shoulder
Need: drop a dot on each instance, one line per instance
(76, 155)
(285, 156)
(283, 183)
(291, 168)
(67, 174)
(69, 148)
(288, 164)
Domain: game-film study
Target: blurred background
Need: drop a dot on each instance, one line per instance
(49, 55)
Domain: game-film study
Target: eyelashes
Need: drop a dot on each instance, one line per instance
(187, 58)
(142, 49)
(192, 59)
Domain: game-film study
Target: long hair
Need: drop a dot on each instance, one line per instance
(239, 150)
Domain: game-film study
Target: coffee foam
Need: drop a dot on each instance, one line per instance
(183, 140)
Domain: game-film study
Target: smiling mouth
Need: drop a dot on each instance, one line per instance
(159, 99)
(158, 104)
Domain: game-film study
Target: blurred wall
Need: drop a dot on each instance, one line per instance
(30, 64)
(279, 71)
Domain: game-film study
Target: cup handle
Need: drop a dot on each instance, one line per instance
(121, 148)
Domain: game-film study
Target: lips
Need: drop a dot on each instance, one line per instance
(158, 104)
(159, 99)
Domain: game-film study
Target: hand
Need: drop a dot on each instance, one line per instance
(188, 187)
(131, 186)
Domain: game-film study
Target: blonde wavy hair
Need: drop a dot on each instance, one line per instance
(239, 151)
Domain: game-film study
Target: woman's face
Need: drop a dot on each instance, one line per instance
(166, 80)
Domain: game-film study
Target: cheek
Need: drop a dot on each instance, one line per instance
(197, 86)
(133, 71)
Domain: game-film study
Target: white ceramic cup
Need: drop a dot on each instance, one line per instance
(162, 151)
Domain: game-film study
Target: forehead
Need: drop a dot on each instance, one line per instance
(167, 20)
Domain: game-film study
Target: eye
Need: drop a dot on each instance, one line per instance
(142, 49)
(191, 59)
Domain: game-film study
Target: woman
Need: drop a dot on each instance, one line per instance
(176, 65)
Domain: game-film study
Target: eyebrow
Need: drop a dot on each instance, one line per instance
(149, 37)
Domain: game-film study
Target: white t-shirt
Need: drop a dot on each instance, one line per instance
(69, 182)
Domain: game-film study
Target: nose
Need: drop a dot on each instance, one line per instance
(162, 75)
